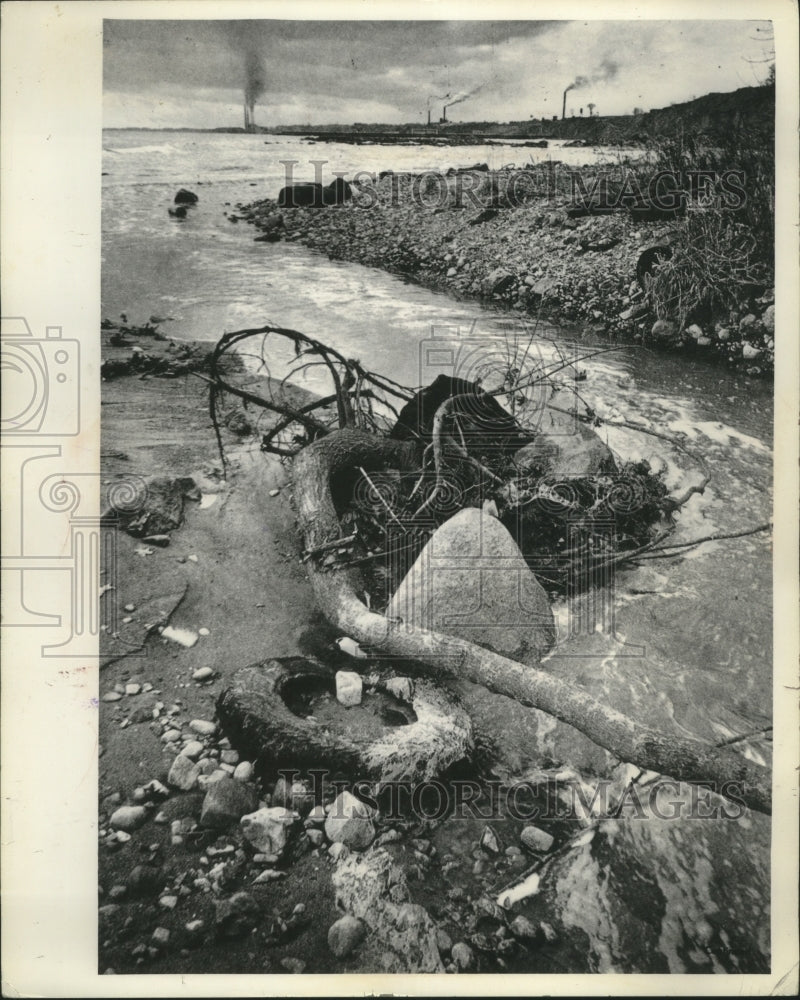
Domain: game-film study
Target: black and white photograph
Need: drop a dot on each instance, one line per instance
(410, 514)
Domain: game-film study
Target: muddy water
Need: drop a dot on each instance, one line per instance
(683, 643)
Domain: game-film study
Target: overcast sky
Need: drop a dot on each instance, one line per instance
(193, 73)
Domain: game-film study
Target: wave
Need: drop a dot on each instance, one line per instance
(166, 149)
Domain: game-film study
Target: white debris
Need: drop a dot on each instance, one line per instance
(183, 636)
(351, 647)
(349, 688)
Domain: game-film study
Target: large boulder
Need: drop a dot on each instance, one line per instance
(184, 197)
(471, 580)
(350, 822)
(564, 447)
(672, 888)
(312, 195)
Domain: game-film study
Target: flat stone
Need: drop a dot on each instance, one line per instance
(349, 688)
(350, 822)
(462, 956)
(204, 674)
(133, 689)
(345, 936)
(160, 937)
(112, 696)
(268, 829)
(521, 927)
(226, 802)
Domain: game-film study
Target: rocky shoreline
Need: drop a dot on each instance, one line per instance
(467, 234)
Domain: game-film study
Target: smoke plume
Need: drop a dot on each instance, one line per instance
(463, 97)
(607, 70)
(255, 77)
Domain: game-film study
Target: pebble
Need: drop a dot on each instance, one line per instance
(128, 818)
(489, 841)
(117, 891)
(274, 493)
(204, 674)
(316, 817)
(350, 822)
(443, 942)
(226, 802)
(168, 902)
(171, 736)
(268, 875)
(338, 851)
(345, 936)
(535, 839)
(462, 956)
(243, 771)
(229, 757)
(160, 937)
(294, 965)
(316, 837)
(112, 696)
(204, 631)
(521, 927)
(129, 607)
(202, 727)
(184, 773)
(194, 927)
(192, 749)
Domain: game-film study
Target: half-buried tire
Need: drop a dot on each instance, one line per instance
(257, 716)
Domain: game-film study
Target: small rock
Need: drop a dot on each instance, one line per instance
(338, 851)
(444, 942)
(462, 956)
(268, 829)
(345, 936)
(160, 937)
(204, 631)
(229, 757)
(274, 493)
(694, 331)
(521, 927)
(236, 915)
(117, 891)
(204, 674)
(316, 817)
(128, 818)
(112, 696)
(548, 932)
(388, 837)
(184, 773)
(194, 927)
(145, 880)
(749, 352)
(535, 839)
(226, 802)
(316, 837)
(401, 687)
(489, 841)
(768, 319)
(203, 727)
(350, 822)
(171, 736)
(294, 965)
(192, 749)
(168, 902)
(129, 607)
(349, 687)
(243, 771)
(268, 875)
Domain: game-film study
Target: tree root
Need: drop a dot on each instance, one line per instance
(337, 592)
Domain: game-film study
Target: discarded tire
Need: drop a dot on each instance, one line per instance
(256, 716)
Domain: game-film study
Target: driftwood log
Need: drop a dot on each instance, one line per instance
(337, 593)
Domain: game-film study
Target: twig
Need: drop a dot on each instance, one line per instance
(745, 736)
(327, 546)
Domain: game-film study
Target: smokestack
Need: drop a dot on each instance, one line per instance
(429, 116)
(252, 116)
(444, 112)
(246, 121)
(564, 105)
